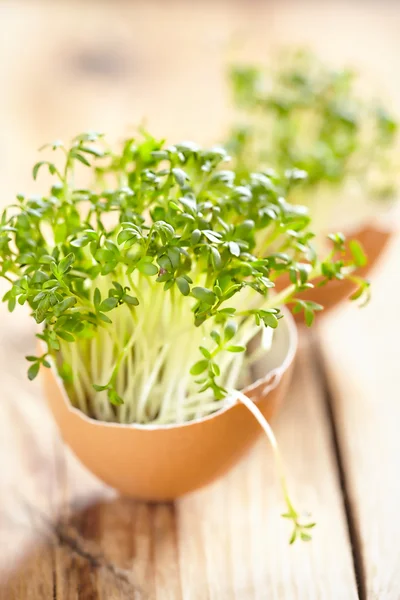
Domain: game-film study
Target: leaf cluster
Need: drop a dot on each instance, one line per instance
(157, 218)
(311, 118)
(161, 215)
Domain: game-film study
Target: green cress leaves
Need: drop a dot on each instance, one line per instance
(174, 216)
(149, 282)
(304, 116)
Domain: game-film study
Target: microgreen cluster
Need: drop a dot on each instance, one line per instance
(149, 281)
(303, 115)
(161, 270)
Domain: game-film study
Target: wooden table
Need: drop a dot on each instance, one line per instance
(69, 66)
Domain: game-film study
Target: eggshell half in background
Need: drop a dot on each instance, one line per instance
(374, 240)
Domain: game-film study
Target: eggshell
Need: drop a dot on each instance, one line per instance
(374, 239)
(159, 463)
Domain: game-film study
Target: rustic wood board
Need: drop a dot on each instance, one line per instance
(226, 541)
(69, 66)
(361, 352)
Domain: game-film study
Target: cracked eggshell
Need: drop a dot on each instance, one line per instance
(160, 463)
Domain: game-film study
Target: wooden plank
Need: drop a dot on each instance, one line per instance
(364, 380)
(240, 513)
(226, 541)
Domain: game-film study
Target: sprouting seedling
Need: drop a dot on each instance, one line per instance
(301, 525)
(149, 283)
(304, 115)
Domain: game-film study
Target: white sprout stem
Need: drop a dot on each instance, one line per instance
(149, 383)
(148, 353)
(255, 411)
(80, 394)
(188, 413)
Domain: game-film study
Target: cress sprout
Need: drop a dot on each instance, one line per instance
(149, 282)
(304, 115)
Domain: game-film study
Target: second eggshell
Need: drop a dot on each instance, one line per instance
(374, 240)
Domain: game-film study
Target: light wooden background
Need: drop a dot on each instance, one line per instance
(68, 66)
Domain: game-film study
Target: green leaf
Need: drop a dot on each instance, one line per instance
(174, 256)
(309, 317)
(36, 168)
(96, 298)
(125, 235)
(43, 306)
(65, 264)
(64, 305)
(216, 337)
(204, 295)
(303, 271)
(103, 255)
(77, 156)
(199, 367)
(118, 287)
(227, 311)
(215, 257)
(214, 369)
(230, 330)
(33, 370)
(234, 248)
(236, 349)
(40, 277)
(212, 236)
(80, 242)
(205, 352)
(132, 300)
(270, 320)
(99, 388)
(92, 150)
(108, 304)
(358, 253)
(358, 293)
(289, 515)
(51, 284)
(160, 154)
(104, 318)
(46, 259)
(195, 237)
(180, 177)
(314, 305)
(183, 286)
(147, 268)
(338, 240)
(64, 335)
(114, 398)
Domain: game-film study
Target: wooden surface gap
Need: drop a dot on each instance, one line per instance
(353, 530)
(54, 574)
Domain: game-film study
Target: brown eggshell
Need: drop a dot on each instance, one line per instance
(374, 240)
(159, 463)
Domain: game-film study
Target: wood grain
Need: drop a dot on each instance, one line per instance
(226, 541)
(364, 381)
(69, 66)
